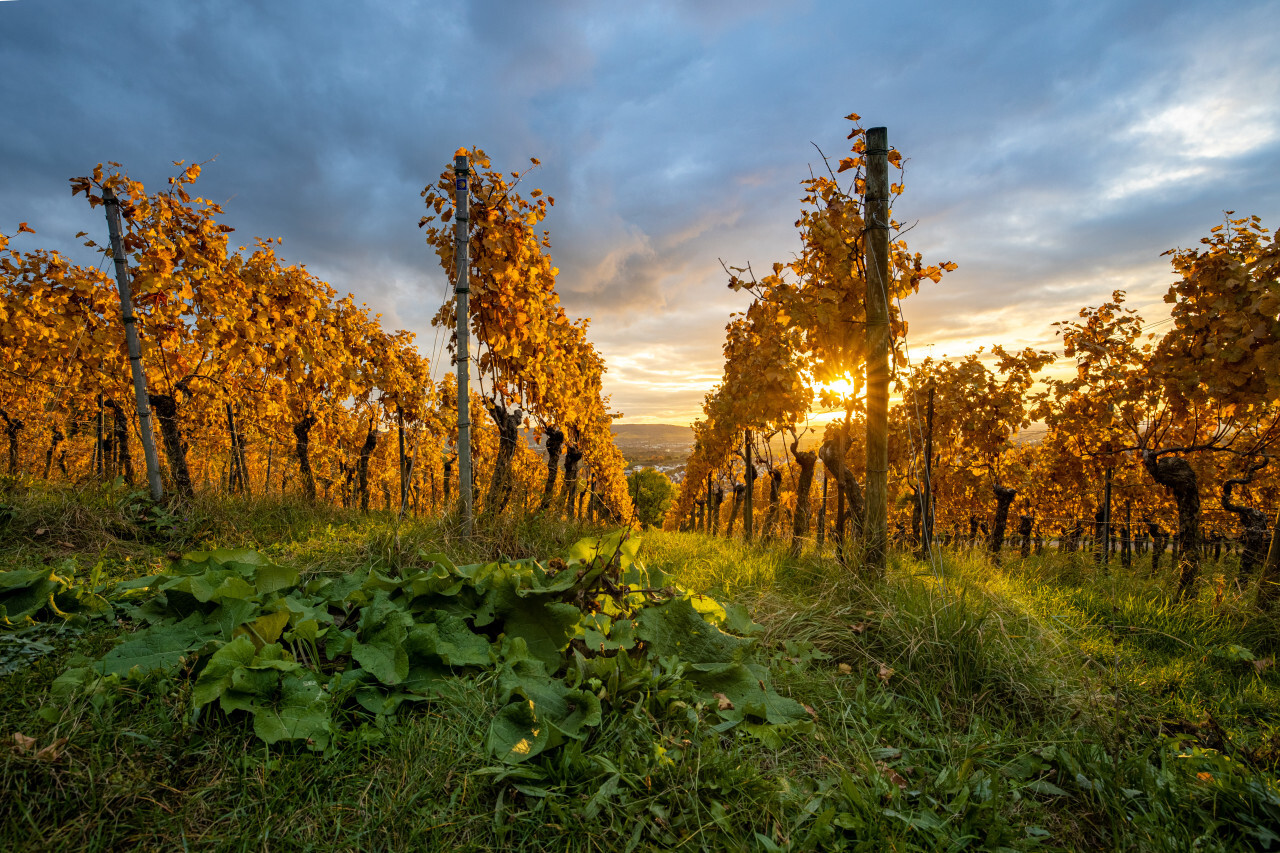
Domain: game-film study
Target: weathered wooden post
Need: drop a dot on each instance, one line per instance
(926, 523)
(876, 525)
(1269, 580)
(750, 477)
(1106, 518)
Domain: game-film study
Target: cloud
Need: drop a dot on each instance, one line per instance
(1054, 150)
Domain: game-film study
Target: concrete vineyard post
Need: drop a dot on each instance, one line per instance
(462, 219)
(135, 347)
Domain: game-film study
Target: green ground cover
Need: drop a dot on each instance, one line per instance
(1041, 705)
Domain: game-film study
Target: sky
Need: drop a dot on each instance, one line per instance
(1054, 149)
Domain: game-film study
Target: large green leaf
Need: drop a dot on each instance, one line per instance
(583, 711)
(299, 712)
(441, 579)
(339, 590)
(517, 734)
(448, 638)
(426, 679)
(213, 584)
(602, 634)
(160, 647)
(546, 627)
(215, 678)
(380, 641)
(270, 577)
(620, 543)
(266, 629)
(211, 574)
(677, 629)
(231, 614)
(747, 687)
(24, 592)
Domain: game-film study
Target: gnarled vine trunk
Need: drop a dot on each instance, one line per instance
(717, 498)
(807, 460)
(846, 486)
(302, 435)
(1157, 545)
(555, 444)
(1257, 534)
(1004, 499)
(769, 530)
(1177, 475)
(1024, 534)
(362, 466)
(572, 458)
(120, 425)
(12, 426)
(166, 411)
(57, 439)
(508, 423)
(739, 489)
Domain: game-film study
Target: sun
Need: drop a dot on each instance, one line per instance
(845, 386)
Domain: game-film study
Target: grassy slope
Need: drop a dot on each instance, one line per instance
(1045, 706)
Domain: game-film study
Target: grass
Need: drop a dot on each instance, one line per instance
(1041, 705)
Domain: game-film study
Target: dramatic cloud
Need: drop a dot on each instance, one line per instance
(1055, 150)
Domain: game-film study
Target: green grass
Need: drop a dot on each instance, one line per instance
(1044, 705)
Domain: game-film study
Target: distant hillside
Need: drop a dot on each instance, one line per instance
(664, 446)
(653, 435)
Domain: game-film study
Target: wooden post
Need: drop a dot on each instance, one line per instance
(99, 463)
(875, 527)
(404, 474)
(707, 521)
(134, 346)
(927, 514)
(266, 483)
(1126, 553)
(842, 511)
(1106, 518)
(462, 290)
(822, 511)
(748, 456)
(1269, 580)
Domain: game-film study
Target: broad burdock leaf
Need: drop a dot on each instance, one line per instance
(448, 639)
(546, 627)
(160, 647)
(600, 633)
(380, 642)
(676, 628)
(264, 630)
(516, 733)
(215, 678)
(231, 614)
(24, 592)
(299, 712)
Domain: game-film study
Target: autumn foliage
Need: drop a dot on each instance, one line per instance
(1124, 437)
(262, 378)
